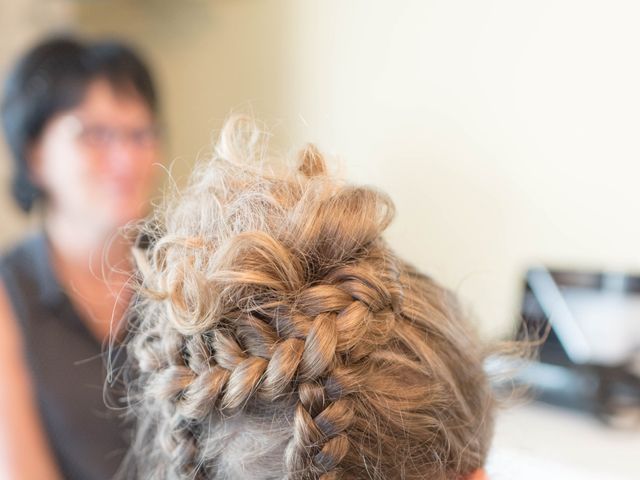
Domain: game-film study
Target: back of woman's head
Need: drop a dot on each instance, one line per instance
(280, 337)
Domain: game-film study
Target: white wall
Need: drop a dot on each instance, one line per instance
(505, 130)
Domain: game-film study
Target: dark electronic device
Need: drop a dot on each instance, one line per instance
(590, 359)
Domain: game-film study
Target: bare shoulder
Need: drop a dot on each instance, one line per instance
(10, 341)
(27, 454)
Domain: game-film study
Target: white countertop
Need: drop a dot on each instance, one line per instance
(541, 442)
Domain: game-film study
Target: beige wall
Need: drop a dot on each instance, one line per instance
(504, 130)
(21, 22)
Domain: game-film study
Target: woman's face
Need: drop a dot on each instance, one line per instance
(95, 162)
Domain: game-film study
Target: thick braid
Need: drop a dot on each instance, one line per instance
(164, 375)
(269, 349)
(347, 311)
(271, 356)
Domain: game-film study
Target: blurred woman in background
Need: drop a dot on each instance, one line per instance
(81, 123)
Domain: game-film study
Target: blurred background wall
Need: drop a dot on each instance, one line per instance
(505, 131)
(22, 22)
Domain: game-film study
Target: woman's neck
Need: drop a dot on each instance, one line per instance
(93, 266)
(89, 247)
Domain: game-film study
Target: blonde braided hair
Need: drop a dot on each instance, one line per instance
(278, 336)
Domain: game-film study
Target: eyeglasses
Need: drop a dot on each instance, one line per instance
(101, 136)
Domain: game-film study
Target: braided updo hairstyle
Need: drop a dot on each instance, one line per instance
(279, 337)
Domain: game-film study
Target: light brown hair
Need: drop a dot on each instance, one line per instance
(279, 336)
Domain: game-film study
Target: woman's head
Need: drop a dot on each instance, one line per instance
(80, 121)
(279, 336)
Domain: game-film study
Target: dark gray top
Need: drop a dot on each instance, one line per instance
(67, 365)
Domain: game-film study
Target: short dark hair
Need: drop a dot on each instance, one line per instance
(53, 77)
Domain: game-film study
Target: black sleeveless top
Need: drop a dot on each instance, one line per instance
(67, 365)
